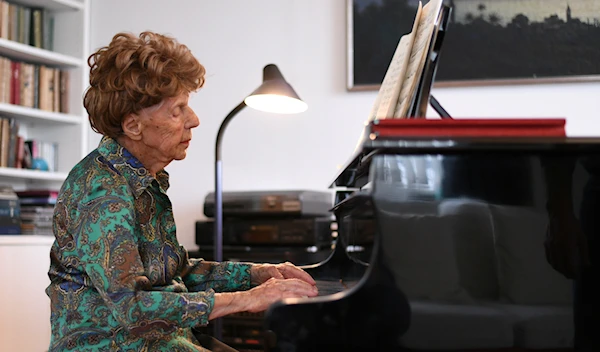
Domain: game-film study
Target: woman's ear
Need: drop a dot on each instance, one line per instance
(132, 127)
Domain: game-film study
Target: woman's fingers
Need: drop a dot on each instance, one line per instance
(289, 288)
(301, 287)
(273, 272)
(290, 271)
(274, 290)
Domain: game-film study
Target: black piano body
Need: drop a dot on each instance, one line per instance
(441, 247)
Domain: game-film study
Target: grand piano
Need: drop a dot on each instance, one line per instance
(456, 235)
(442, 242)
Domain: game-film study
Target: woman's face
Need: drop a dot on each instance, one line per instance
(167, 129)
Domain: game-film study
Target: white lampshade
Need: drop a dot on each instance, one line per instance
(275, 94)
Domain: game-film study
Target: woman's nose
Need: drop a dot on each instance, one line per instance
(193, 120)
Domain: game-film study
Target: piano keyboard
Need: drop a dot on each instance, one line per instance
(329, 287)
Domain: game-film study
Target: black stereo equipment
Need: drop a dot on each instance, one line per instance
(271, 203)
(269, 232)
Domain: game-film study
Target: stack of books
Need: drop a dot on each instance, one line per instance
(10, 213)
(37, 209)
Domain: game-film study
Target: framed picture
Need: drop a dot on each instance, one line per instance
(488, 42)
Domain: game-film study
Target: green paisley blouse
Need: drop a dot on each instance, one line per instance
(120, 281)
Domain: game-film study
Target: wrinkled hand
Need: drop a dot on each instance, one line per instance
(566, 245)
(261, 297)
(262, 272)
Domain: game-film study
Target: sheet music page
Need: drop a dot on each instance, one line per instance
(385, 103)
(390, 87)
(418, 55)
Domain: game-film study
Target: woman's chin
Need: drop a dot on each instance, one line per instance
(181, 156)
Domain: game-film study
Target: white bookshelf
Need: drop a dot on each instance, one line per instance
(25, 240)
(38, 117)
(31, 175)
(56, 5)
(25, 52)
(24, 259)
(69, 131)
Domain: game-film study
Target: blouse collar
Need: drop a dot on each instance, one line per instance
(130, 167)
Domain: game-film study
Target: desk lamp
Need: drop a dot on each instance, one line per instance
(274, 95)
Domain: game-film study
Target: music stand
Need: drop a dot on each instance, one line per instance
(422, 98)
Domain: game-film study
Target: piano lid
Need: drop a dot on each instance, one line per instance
(405, 136)
(468, 253)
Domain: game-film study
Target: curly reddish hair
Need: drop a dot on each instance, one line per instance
(133, 73)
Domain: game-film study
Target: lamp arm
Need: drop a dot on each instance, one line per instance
(218, 225)
(223, 126)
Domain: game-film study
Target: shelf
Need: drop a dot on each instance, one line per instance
(32, 174)
(54, 5)
(18, 51)
(26, 240)
(30, 115)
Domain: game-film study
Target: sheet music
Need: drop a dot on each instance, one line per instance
(390, 88)
(418, 55)
(385, 103)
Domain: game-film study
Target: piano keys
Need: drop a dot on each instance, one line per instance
(442, 246)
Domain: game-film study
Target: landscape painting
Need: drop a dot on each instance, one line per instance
(487, 42)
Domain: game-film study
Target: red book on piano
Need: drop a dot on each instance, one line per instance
(549, 127)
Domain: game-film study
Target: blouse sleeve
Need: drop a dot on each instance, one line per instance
(201, 275)
(107, 247)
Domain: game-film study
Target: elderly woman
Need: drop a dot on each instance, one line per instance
(120, 281)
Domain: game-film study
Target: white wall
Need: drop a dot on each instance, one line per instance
(234, 39)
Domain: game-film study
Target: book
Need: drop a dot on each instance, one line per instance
(4, 16)
(64, 92)
(10, 212)
(26, 84)
(15, 83)
(13, 132)
(4, 140)
(37, 193)
(36, 27)
(38, 201)
(46, 88)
